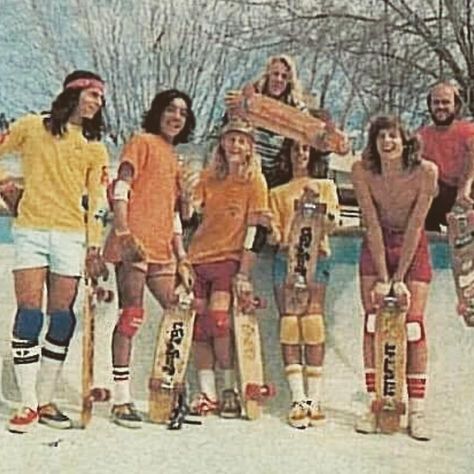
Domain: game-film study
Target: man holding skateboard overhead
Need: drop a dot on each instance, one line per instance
(395, 188)
(61, 155)
(449, 143)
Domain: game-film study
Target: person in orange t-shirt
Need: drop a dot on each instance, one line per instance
(449, 143)
(232, 193)
(146, 239)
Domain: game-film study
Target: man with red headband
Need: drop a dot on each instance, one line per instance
(61, 157)
(448, 142)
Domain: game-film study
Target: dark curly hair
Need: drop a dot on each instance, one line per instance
(151, 118)
(65, 104)
(411, 145)
(318, 164)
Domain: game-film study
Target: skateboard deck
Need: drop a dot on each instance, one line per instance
(274, 115)
(253, 391)
(94, 294)
(171, 359)
(307, 230)
(390, 365)
(461, 243)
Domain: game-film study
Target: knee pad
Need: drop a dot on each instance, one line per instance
(369, 323)
(130, 320)
(61, 327)
(28, 324)
(220, 323)
(290, 330)
(415, 328)
(312, 329)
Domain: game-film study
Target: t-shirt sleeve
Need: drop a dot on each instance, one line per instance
(258, 198)
(12, 140)
(135, 153)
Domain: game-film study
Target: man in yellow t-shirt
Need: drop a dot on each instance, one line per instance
(61, 157)
(302, 336)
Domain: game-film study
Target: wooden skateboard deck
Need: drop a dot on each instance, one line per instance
(253, 390)
(390, 365)
(307, 230)
(91, 394)
(461, 243)
(171, 359)
(274, 115)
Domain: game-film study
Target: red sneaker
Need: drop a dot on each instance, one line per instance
(23, 420)
(201, 405)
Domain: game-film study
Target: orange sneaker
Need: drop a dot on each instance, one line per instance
(23, 420)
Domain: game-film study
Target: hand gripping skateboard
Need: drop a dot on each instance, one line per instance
(171, 358)
(307, 230)
(271, 114)
(253, 391)
(390, 365)
(461, 242)
(94, 294)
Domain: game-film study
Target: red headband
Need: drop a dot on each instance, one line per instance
(85, 84)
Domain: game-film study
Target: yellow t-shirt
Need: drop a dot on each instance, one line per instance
(154, 192)
(57, 172)
(282, 200)
(227, 206)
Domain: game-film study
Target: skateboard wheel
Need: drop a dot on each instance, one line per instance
(258, 392)
(461, 309)
(469, 319)
(99, 394)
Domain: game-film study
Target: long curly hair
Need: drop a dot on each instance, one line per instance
(411, 146)
(152, 117)
(318, 163)
(293, 95)
(65, 104)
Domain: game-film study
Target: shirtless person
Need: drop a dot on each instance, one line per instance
(448, 142)
(395, 188)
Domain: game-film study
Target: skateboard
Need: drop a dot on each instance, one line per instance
(390, 365)
(94, 294)
(253, 391)
(276, 116)
(307, 230)
(171, 359)
(461, 242)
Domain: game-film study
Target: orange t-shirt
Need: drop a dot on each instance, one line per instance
(154, 191)
(447, 147)
(227, 205)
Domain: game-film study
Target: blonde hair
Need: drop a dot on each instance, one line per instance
(294, 93)
(219, 166)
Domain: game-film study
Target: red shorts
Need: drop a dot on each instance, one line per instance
(420, 268)
(211, 277)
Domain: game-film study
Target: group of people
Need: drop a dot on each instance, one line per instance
(245, 200)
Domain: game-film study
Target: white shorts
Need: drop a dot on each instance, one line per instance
(63, 252)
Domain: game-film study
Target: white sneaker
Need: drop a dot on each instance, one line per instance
(417, 427)
(298, 416)
(366, 423)
(316, 414)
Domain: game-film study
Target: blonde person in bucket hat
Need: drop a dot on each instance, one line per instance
(231, 194)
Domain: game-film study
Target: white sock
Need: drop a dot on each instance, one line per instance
(50, 369)
(416, 405)
(314, 382)
(294, 376)
(26, 364)
(121, 390)
(228, 378)
(207, 383)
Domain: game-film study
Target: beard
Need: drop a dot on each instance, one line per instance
(444, 122)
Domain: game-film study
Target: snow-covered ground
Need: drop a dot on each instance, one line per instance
(268, 445)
